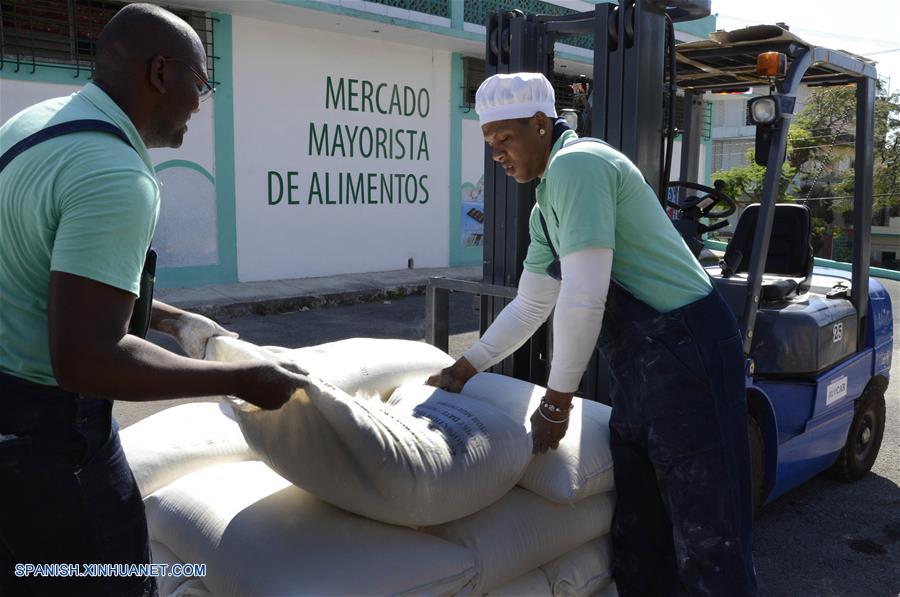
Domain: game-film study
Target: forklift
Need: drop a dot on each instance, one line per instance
(817, 340)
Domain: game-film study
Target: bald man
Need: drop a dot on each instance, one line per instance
(77, 213)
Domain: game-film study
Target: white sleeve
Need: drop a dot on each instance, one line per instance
(579, 315)
(516, 322)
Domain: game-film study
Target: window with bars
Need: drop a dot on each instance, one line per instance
(63, 33)
(728, 153)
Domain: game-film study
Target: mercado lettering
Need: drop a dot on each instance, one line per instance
(360, 95)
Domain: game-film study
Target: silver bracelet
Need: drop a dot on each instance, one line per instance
(553, 408)
(546, 418)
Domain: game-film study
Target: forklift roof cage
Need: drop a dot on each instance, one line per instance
(727, 61)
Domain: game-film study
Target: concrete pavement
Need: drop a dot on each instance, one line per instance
(282, 296)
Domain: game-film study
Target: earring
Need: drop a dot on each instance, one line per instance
(541, 132)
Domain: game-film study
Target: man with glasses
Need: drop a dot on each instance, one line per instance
(78, 207)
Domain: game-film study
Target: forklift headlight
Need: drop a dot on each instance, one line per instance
(764, 110)
(571, 117)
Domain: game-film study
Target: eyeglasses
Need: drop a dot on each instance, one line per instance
(205, 89)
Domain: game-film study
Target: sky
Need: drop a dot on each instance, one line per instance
(870, 28)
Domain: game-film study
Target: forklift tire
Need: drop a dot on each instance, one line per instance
(757, 463)
(864, 438)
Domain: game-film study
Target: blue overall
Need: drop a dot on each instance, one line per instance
(680, 448)
(68, 495)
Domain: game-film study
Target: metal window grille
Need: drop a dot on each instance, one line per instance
(439, 8)
(473, 75)
(63, 33)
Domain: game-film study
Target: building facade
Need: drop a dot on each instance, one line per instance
(341, 137)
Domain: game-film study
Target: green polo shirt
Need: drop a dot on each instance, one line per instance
(592, 196)
(83, 203)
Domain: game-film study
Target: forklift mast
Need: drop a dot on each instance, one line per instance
(627, 112)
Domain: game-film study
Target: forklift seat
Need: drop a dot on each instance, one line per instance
(790, 252)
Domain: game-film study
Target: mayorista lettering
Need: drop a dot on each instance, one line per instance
(346, 141)
(367, 188)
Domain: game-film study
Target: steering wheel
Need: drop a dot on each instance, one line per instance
(706, 203)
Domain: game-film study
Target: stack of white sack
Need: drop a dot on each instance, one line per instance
(441, 467)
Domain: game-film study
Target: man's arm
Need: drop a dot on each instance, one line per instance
(579, 316)
(576, 325)
(91, 353)
(191, 330)
(515, 324)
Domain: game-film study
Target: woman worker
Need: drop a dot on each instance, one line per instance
(605, 255)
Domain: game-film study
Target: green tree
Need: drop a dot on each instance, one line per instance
(830, 115)
(744, 184)
(817, 170)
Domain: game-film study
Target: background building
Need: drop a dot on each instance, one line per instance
(341, 138)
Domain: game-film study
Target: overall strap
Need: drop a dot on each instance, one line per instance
(559, 127)
(547, 237)
(57, 130)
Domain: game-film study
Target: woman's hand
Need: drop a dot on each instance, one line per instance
(454, 377)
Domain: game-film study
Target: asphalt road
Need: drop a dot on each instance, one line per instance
(824, 539)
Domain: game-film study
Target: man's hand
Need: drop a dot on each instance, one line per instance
(193, 331)
(454, 377)
(550, 421)
(269, 385)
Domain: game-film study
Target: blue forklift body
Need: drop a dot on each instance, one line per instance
(805, 423)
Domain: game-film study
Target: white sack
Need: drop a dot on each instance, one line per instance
(581, 466)
(174, 442)
(437, 457)
(175, 586)
(260, 535)
(371, 366)
(583, 571)
(530, 584)
(609, 590)
(523, 531)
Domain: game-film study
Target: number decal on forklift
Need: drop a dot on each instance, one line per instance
(838, 332)
(836, 390)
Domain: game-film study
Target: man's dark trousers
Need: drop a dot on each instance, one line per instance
(680, 448)
(68, 495)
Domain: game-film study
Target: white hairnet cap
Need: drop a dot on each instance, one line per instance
(516, 95)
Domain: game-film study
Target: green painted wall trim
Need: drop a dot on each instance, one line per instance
(457, 14)
(459, 255)
(456, 28)
(877, 272)
(185, 164)
(223, 125)
(362, 14)
(44, 73)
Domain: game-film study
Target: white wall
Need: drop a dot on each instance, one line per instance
(280, 75)
(186, 231)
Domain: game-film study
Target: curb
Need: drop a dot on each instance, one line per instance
(274, 306)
